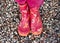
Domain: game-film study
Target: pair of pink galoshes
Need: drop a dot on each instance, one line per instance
(31, 21)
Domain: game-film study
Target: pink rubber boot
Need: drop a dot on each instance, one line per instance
(23, 28)
(36, 21)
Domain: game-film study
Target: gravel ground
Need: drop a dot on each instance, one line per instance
(9, 20)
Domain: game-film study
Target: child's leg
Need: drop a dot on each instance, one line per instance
(20, 1)
(23, 28)
(35, 3)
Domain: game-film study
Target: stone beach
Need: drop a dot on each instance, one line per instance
(9, 20)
